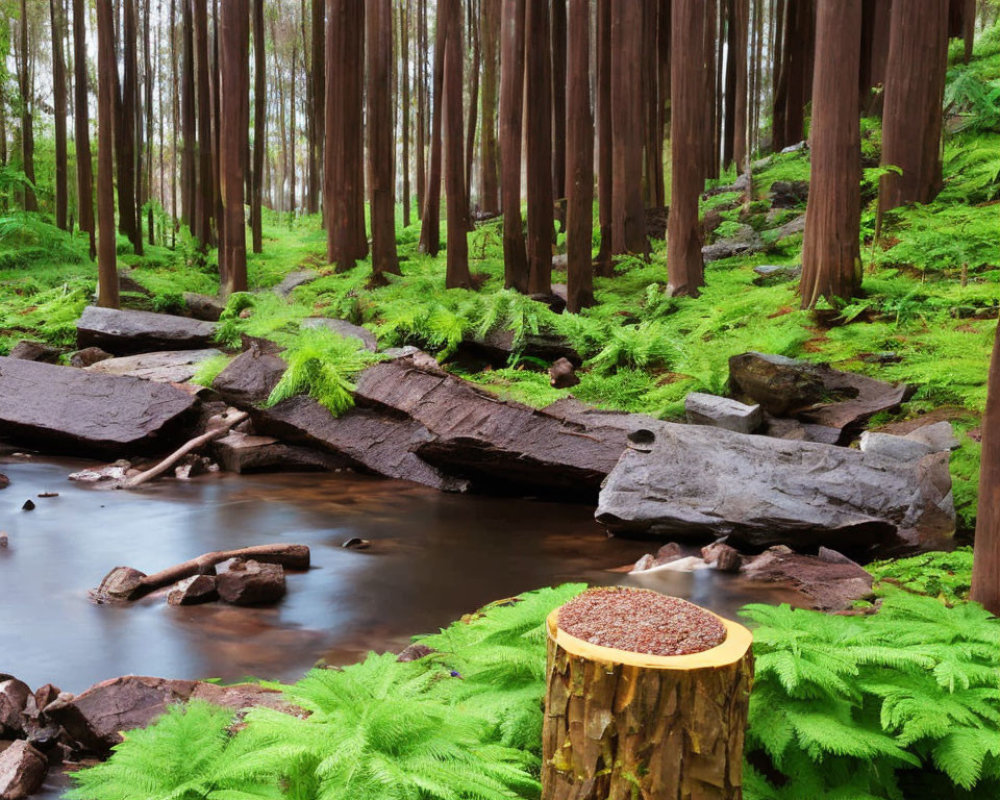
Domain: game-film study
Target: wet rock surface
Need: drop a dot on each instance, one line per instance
(194, 590)
(128, 332)
(71, 410)
(830, 580)
(251, 583)
(242, 452)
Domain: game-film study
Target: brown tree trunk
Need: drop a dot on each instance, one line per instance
(81, 127)
(404, 48)
(831, 258)
(687, 118)
(470, 136)
(663, 92)
(343, 189)
(259, 123)
(489, 182)
(125, 139)
(652, 141)
(421, 121)
(740, 21)
(628, 230)
(204, 198)
(622, 725)
(874, 52)
(457, 274)
(515, 255)
(107, 70)
(559, 166)
(430, 230)
(59, 109)
(147, 174)
(710, 153)
(605, 138)
(316, 110)
(793, 93)
(381, 175)
(914, 90)
(580, 163)
(986, 559)
(234, 117)
(189, 176)
(538, 134)
(27, 128)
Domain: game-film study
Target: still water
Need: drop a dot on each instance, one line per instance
(433, 558)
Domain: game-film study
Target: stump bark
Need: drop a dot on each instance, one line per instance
(621, 725)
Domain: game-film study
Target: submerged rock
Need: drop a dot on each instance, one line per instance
(241, 452)
(194, 590)
(127, 332)
(831, 581)
(251, 583)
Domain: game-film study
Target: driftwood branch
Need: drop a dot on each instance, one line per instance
(199, 441)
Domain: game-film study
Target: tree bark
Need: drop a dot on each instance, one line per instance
(317, 77)
(986, 558)
(831, 258)
(793, 89)
(515, 255)
(430, 230)
(189, 176)
(740, 21)
(381, 148)
(234, 117)
(470, 136)
(59, 110)
(652, 141)
(489, 182)
(404, 48)
(580, 163)
(259, 125)
(204, 195)
(27, 127)
(81, 127)
(559, 165)
(538, 133)
(628, 231)
(107, 71)
(421, 117)
(687, 118)
(605, 150)
(914, 91)
(620, 725)
(710, 152)
(457, 273)
(874, 52)
(125, 140)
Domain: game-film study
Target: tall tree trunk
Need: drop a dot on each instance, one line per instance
(710, 153)
(282, 160)
(914, 89)
(215, 97)
(605, 138)
(59, 103)
(404, 49)
(430, 230)
(421, 80)
(234, 119)
(470, 137)
(317, 110)
(292, 116)
(343, 192)
(538, 134)
(831, 258)
(125, 142)
(27, 127)
(489, 182)
(652, 132)
(189, 174)
(628, 232)
(457, 274)
(874, 52)
(81, 127)
(515, 256)
(107, 72)
(259, 123)
(740, 21)
(559, 105)
(580, 163)
(687, 118)
(147, 180)
(381, 148)
(204, 196)
(986, 558)
(793, 81)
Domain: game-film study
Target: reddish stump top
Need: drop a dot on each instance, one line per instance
(641, 621)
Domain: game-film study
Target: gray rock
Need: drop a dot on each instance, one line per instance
(745, 242)
(789, 194)
(174, 366)
(126, 283)
(795, 148)
(831, 581)
(193, 591)
(126, 332)
(241, 452)
(790, 228)
(251, 583)
(22, 771)
(938, 436)
(721, 412)
(725, 557)
(88, 356)
(121, 583)
(899, 448)
(35, 351)
(498, 347)
(770, 274)
(560, 262)
(345, 329)
(701, 482)
(294, 280)
(203, 306)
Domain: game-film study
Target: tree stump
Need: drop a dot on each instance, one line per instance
(622, 724)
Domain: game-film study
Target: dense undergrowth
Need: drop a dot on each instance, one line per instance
(900, 703)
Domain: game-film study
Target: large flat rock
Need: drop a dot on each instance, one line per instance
(72, 410)
(172, 366)
(696, 482)
(126, 332)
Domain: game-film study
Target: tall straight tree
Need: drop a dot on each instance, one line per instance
(81, 127)
(687, 118)
(740, 22)
(558, 25)
(381, 147)
(343, 188)
(831, 258)
(204, 198)
(125, 137)
(605, 150)
(189, 140)
(538, 135)
(874, 51)
(489, 181)
(914, 90)
(628, 225)
(107, 79)
(515, 257)
(986, 558)
(792, 90)
(430, 229)
(580, 162)
(259, 125)
(318, 37)
(475, 67)
(59, 109)
(457, 272)
(234, 118)
(27, 124)
(404, 79)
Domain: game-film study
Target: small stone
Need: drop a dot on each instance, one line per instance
(28, 506)
(771, 274)
(4, 481)
(194, 591)
(121, 583)
(900, 448)
(3, 540)
(88, 357)
(721, 412)
(939, 436)
(562, 374)
(645, 562)
(46, 495)
(35, 351)
(415, 652)
(356, 543)
(671, 551)
(248, 583)
(884, 357)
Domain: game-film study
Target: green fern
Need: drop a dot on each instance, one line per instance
(946, 576)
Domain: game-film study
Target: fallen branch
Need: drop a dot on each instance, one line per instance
(194, 444)
(124, 583)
